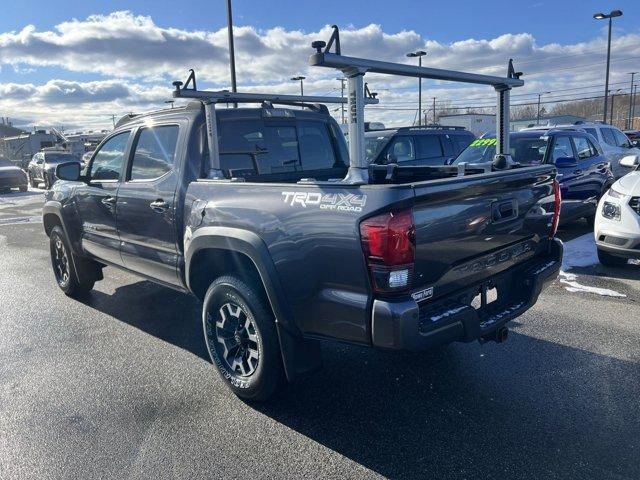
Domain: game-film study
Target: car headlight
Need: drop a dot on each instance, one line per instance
(611, 211)
(615, 194)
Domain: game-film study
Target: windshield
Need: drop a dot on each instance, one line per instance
(373, 145)
(524, 150)
(59, 157)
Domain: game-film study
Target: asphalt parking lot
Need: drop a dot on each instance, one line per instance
(120, 386)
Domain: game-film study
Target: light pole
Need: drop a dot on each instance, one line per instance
(539, 96)
(434, 112)
(419, 54)
(301, 79)
(232, 51)
(630, 99)
(610, 16)
(342, 80)
(171, 102)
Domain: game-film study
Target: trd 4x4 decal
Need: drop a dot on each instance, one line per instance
(342, 202)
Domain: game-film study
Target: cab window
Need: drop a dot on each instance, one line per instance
(607, 134)
(108, 160)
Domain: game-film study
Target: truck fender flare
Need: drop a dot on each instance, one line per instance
(53, 207)
(299, 355)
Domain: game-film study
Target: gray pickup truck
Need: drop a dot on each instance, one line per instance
(284, 249)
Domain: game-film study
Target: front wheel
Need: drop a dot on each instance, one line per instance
(63, 266)
(241, 338)
(609, 260)
(47, 182)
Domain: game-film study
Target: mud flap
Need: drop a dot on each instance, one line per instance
(300, 356)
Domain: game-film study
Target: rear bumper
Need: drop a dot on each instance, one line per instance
(405, 325)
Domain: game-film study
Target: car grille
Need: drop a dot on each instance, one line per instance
(635, 204)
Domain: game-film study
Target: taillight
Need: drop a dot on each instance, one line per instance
(557, 199)
(388, 241)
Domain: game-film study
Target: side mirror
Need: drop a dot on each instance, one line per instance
(68, 171)
(391, 158)
(566, 162)
(630, 161)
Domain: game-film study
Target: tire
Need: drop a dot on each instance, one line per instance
(32, 181)
(47, 182)
(63, 264)
(609, 260)
(241, 338)
(24, 188)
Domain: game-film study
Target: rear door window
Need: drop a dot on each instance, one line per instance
(609, 137)
(460, 142)
(621, 138)
(403, 149)
(561, 148)
(584, 149)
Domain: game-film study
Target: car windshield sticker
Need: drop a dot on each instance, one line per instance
(483, 142)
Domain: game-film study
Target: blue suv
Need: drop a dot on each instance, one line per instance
(584, 173)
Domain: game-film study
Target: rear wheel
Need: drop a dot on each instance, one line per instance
(47, 182)
(32, 181)
(241, 338)
(23, 188)
(609, 260)
(63, 265)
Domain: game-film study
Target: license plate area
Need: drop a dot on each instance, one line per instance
(487, 294)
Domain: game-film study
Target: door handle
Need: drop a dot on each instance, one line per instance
(108, 201)
(159, 206)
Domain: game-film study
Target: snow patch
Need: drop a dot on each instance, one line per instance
(573, 286)
(582, 252)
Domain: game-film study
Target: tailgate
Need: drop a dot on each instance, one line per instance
(471, 228)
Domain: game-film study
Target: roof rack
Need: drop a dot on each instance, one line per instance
(188, 89)
(430, 127)
(354, 70)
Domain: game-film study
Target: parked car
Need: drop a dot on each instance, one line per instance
(615, 144)
(393, 263)
(583, 171)
(633, 136)
(424, 145)
(12, 177)
(43, 164)
(617, 226)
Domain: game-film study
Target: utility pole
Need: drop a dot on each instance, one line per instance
(539, 96)
(232, 51)
(630, 99)
(434, 111)
(633, 106)
(419, 54)
(610, 16)
(613, 97)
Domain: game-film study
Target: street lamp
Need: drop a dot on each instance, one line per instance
(300, 79)
(419, 54)
(609, 16)
(630, 99)
(539, 96)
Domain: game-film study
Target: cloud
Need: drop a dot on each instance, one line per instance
(132, 60)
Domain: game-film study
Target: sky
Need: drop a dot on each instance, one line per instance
(80, 64)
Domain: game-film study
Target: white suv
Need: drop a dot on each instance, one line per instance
(617, 222)
(615, 144)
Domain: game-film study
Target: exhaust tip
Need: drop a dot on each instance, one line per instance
(499, 336)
